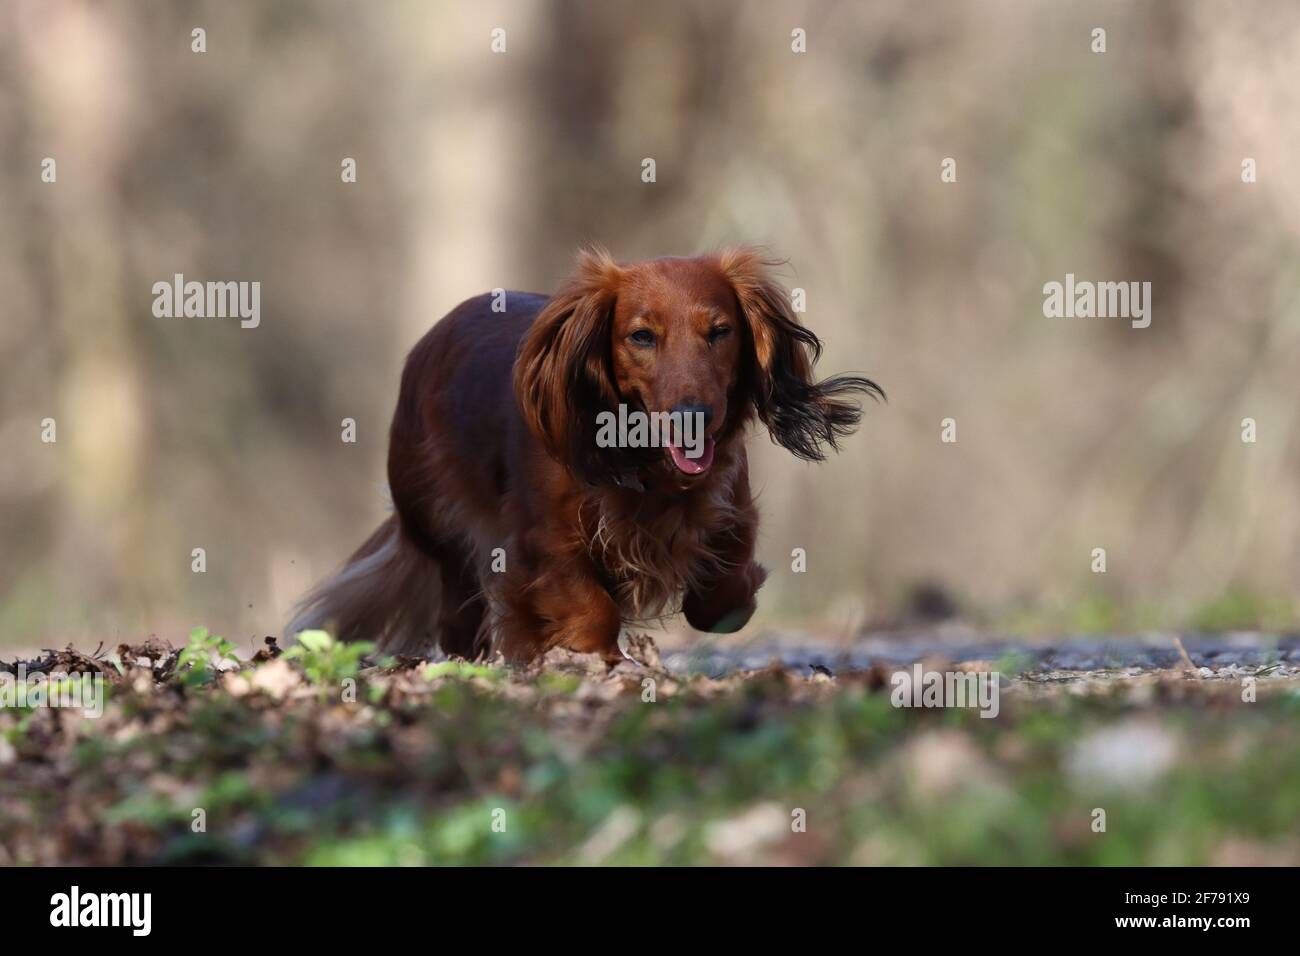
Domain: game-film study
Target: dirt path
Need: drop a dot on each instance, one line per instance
(1217, 654)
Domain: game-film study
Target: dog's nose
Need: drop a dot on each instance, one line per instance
(695, 408)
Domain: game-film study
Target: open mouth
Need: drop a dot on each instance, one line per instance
(692, 466)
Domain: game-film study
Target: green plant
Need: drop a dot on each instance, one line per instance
(325, 661)
(194, 664)
(461, 670)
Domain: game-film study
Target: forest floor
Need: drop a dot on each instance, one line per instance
(1118, 751)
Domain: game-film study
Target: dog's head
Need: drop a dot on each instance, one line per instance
(697, 347)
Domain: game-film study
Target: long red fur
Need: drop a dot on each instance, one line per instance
(513, 531)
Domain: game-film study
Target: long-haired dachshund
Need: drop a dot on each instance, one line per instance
(516, 529)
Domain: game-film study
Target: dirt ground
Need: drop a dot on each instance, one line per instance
(1137, 750)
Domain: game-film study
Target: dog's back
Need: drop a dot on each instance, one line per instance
(455, 441)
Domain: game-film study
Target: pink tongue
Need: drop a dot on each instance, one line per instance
(692, 466)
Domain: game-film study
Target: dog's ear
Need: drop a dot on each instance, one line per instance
(562, 375)
(801, 414)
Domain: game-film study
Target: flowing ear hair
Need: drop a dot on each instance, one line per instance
(801, 414)
(562, 378)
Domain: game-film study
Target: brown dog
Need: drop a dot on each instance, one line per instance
(517, 529)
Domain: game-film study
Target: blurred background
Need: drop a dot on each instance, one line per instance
(478, 169)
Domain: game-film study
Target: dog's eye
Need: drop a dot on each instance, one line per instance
(643, 337)
(719, 332)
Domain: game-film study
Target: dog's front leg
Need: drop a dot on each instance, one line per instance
(724, 599)
(583, 618)
(724, 605)
(574, 611)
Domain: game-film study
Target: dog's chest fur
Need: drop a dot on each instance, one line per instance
(652, 551)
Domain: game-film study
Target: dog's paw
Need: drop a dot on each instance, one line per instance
(728, 605)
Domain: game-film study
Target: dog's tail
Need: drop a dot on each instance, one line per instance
(387, 592)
